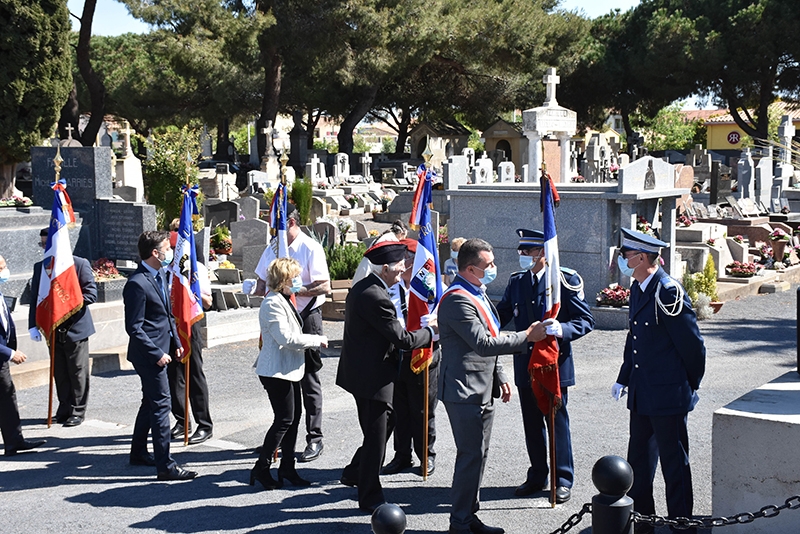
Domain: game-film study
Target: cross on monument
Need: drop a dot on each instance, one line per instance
(69, 129)
(551, 80)
(366, 160)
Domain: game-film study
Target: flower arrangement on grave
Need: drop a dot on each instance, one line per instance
(578, 179)
(614, 295)
(738, 239)
(352, 200)
(373, 233)
(15, 202)
(613, 168)
(740, 269)
(104, 269)
(644, 226)
(221, 239)
(686, 220)
(321, 184)
(778, 235)
(711, 241)
(227, 265)
(443, 237)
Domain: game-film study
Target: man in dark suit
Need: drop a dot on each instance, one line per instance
(470, 376)
(10, 426)
(524, 302)
(153, 343)
(71, 347)
(663, 365)
(369, 365)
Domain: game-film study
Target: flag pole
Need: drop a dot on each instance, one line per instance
(424, 466)
(52, 377)
(186, 381)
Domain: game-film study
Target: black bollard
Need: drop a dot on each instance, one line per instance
(611, 509)
(388, 519)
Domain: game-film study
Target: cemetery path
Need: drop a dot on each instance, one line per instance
(81, 480)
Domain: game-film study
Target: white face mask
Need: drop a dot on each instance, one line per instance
(454, 255)
(525, 262)
(5, 274)
(297, 284)
(168, 255)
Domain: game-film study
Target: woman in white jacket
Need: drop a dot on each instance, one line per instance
(280, 366)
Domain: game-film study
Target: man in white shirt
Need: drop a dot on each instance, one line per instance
(316, 284)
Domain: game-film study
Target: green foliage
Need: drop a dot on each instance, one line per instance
(168, 168)
(710, 279)
(668, 130)
(35, 78)
(474, 141)
(301, 198)
(389, 145)
(690, 286)
(343, 260)
(331, 146)
(359, 145)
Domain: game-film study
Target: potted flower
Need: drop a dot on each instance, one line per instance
(740, 269)
(711, 241)
(738, 239)
(614, 295)
(385, 200)
(779, 240)
(352, 200)
(221, 239)
(108, 279)
(644, 226)
(686, 220)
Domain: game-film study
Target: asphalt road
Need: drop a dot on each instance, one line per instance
(80, 481)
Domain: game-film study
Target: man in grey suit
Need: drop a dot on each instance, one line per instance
(470, 377)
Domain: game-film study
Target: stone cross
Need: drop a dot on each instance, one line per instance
(365, 170)
(786, 132)
(268, 134)
(69, 129)
(551, 80)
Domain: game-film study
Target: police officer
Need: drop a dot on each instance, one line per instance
(663, 364)
(524, 302)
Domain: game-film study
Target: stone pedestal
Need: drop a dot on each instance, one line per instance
(754, 439)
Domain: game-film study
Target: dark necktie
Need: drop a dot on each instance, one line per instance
(160, 283)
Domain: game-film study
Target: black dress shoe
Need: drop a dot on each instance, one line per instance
(454, 530)
(563, 494)
(177, 473)
(177, 431)
(348, 481)
(312, 452)
(24, 445)
(74, 420)
(146, 459)
(477, 527)
(431, 466)
(200, 436)
(369, 509)
(528, 488)
(397, 465)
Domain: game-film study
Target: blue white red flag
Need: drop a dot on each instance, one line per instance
(277, 220)
(187, 304)
(543, 364)
(426, 281)
(60, 295)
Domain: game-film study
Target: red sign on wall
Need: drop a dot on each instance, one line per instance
(734, 138)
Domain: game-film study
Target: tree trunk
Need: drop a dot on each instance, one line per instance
(97, 91)
(626, 123)
(359, 111)
(402, 131)
(313, 120)
(223, 140)
(70, 115)
(272, 93)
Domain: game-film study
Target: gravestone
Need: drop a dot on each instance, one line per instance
(482, 172)
(87, 171)
(206, 150)
(361, 231)
(469, 153)
(745, 169)
(340, 203)
(497, 157)
(342, 168)
(315, 170)
(318, 208)
(253, 159)
(248, 207)
(249, 232)
(645, 171)
(763, 177)
(126, 193)
(223, 213)
(327, 232)
(202, 244)
(122, 224)
(720, 184)
(505, 172)
(366, 162)
(298, 139)
(454, 172)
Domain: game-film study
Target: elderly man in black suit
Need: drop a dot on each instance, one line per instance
(71, 363)
(369, 365)
(10, 426)
(153, 343)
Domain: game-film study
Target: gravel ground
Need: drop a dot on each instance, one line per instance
(81, 480)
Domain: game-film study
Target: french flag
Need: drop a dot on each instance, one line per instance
(187, 304)
(426, 282)
(277, 220)
(543, 365)
(60, 295)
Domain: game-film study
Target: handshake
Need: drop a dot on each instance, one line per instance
(541, 329)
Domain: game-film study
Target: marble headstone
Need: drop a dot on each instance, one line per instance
(454, 172)
(505, 171)
(647, 173)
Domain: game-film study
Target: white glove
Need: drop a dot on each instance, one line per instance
(618, 390)
(426, 319)
(35, 334)
(554, 329)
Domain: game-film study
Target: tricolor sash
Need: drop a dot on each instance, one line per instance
(480, 303)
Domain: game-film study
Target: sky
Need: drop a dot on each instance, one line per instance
(112, 18)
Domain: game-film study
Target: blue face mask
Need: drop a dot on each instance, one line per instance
(168, 255)
(489, 274)
(453, 255)
(622, 263)
(5, 274)
(525, 262)
(297, 284)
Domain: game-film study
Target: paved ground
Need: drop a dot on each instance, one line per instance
(81, 481)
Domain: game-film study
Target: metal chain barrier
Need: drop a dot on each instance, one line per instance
(574, 519)
(683, 523)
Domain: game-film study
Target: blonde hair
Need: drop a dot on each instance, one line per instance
(175, 224)
(456, 243)
(281, 271)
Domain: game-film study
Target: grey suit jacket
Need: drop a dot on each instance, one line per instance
(469, 352)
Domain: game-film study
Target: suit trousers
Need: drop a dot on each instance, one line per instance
(71, 375)
(198, 386)
(153, 416)
(10, 425)
(284, 396)
(472, 431)
(536, 426)
(409, 389)
(376, 419)
(666, 438)
(311, 384)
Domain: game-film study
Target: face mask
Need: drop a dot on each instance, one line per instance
(453, 255)
(489, 274)
(525, 262)
(297, 284)
(622, 263)
(5, 274)
(167, 258)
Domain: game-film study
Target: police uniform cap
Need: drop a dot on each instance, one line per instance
(633, 240)
(529, 239)
(386, 252)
